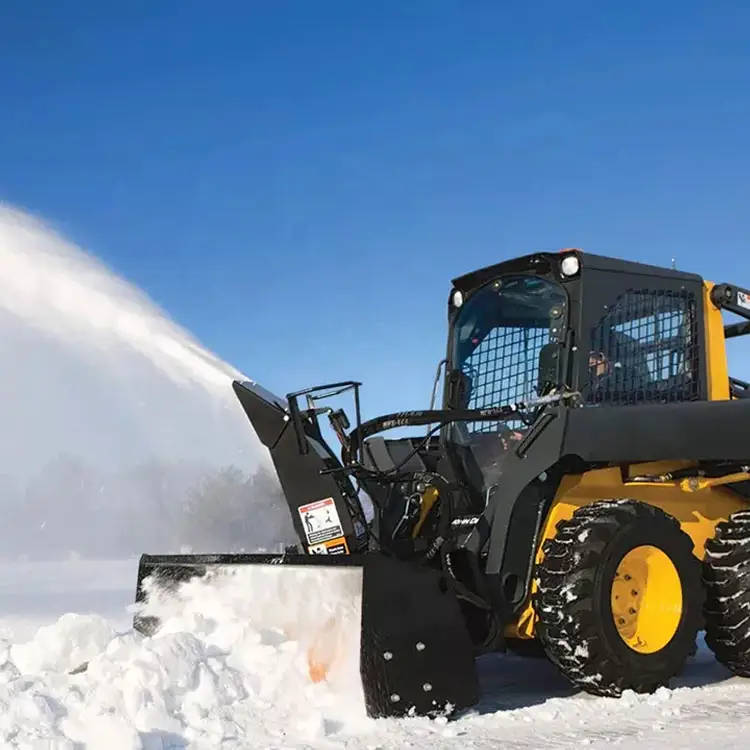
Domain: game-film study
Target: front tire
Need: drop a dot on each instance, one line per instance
(619, 598)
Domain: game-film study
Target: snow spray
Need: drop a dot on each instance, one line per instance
(120, 432)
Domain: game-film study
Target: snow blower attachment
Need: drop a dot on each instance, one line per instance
(414, 653)
(582, 492)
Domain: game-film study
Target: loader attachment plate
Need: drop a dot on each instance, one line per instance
(415, 654)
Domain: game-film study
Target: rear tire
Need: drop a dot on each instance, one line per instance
(619, 599)
(726, 577)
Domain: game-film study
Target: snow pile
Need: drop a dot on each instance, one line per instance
(230, 667)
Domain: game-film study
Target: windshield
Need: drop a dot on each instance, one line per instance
(506, 348)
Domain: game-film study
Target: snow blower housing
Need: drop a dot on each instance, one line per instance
(573, 495)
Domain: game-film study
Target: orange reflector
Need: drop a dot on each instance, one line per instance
(322, 651)
(318, 670)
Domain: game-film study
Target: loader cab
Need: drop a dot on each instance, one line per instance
(613, 332)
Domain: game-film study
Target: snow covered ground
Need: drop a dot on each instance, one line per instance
(237, 683)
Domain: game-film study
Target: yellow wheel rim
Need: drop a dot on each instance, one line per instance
(646, 599)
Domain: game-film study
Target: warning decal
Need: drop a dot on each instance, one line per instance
(321, 521)
(334, 547)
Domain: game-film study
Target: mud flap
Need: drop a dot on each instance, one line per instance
(416, 657)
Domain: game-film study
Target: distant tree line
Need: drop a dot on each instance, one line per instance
(71, 508)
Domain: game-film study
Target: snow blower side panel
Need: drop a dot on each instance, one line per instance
(415, 653)
(323, 506)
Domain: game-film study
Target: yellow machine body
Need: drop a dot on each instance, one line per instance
(699, 505)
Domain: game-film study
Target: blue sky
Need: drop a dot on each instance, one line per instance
(297, 182)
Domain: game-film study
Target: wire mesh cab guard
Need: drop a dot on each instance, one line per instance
(645, 349)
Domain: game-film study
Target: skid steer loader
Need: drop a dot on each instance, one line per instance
(583, 490)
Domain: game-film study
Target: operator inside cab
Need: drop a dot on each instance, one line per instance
(618, 369)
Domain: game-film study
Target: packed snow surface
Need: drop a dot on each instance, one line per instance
(229, 669)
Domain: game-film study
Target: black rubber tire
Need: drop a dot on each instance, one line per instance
(575, 621)
(726, 577)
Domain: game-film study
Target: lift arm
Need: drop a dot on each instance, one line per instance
(736, 300)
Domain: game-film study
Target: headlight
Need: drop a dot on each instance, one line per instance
(570, 265)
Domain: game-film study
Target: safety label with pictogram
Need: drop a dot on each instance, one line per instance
(321, 521)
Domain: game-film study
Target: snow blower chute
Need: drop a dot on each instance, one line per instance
(585, 462)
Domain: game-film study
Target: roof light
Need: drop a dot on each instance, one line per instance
(570, 265)
(458, 298)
